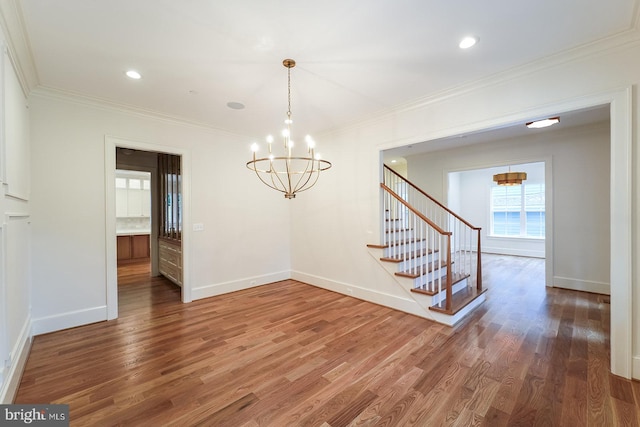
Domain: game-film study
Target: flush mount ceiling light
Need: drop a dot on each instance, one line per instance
(289, 173)
(467, 42)
(509, 178)
(133, 74)
(235, 105)
(543, 123)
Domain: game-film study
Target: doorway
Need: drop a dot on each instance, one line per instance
(134, 197)
(143, 157)
(148, 198)
(136, 184)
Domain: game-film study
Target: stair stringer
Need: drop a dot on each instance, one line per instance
(422, 300)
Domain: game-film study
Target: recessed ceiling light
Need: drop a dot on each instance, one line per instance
(133, 74)
(467, 42)
(235, 105)
(543, 123)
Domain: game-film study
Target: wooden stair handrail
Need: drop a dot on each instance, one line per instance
(432, 199)
(415, 211)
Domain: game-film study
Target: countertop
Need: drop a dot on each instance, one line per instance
(132, 232)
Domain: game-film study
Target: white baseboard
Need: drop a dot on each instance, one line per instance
(407, 305)
(582, 285)
(72, 319)
(531, 253)
(635, 370)
(19, 355)
(238, 285)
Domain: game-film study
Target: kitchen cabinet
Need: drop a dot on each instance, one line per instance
(124, 248)
(133, 248)
(170, 260)
(133, 195)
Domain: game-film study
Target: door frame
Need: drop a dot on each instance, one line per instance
(110, 145)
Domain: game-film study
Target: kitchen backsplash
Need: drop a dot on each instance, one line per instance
(133, 223)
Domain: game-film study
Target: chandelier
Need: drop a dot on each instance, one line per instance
(509, 178)
(289, 173)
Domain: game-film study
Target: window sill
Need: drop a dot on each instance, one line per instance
(535, 239)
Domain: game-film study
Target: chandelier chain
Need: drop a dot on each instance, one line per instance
(289, 92)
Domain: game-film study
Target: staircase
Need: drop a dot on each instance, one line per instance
(430, 250)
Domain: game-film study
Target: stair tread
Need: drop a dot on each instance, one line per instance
(411, 255)
(405, 241)
(459, 300)
(398, 230)
(455, 278)
(427, 268)
(377, 246)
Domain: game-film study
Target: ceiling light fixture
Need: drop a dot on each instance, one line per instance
(509, 178)
(467, 42)
(133, 74)
(235, 105)
(543, 123)
(289, 173)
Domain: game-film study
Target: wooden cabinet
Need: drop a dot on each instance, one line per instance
(134, 248)
(170, 260)
(124, 248)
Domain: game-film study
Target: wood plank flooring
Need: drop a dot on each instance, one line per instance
(290, 354)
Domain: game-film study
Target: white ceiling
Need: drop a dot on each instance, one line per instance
(355, 57)
(568, 120)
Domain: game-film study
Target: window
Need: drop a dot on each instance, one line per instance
(518, 211)
(121, 182)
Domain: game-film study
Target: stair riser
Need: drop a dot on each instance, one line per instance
(428, 277)
(405, 248)
(400, 235)
(421, 260)
(443, 294)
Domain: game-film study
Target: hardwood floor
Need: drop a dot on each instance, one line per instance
(292, 354)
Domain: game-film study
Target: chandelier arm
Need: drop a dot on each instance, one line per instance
(306, 172)
(275, 179)
(267, 183)
(252, 165)
(288, 168)
(317, 175)
(264, 159)
(310, 174)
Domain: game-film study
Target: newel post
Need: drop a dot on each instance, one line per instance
(479, 269)
(449, 280)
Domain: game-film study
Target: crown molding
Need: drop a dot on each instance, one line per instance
(610, 44)
(18, 44)
(620, 41)
(104, 104)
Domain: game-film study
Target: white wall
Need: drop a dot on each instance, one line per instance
(15, 242)
(578, 188)
(246, 225)
(333, 224)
